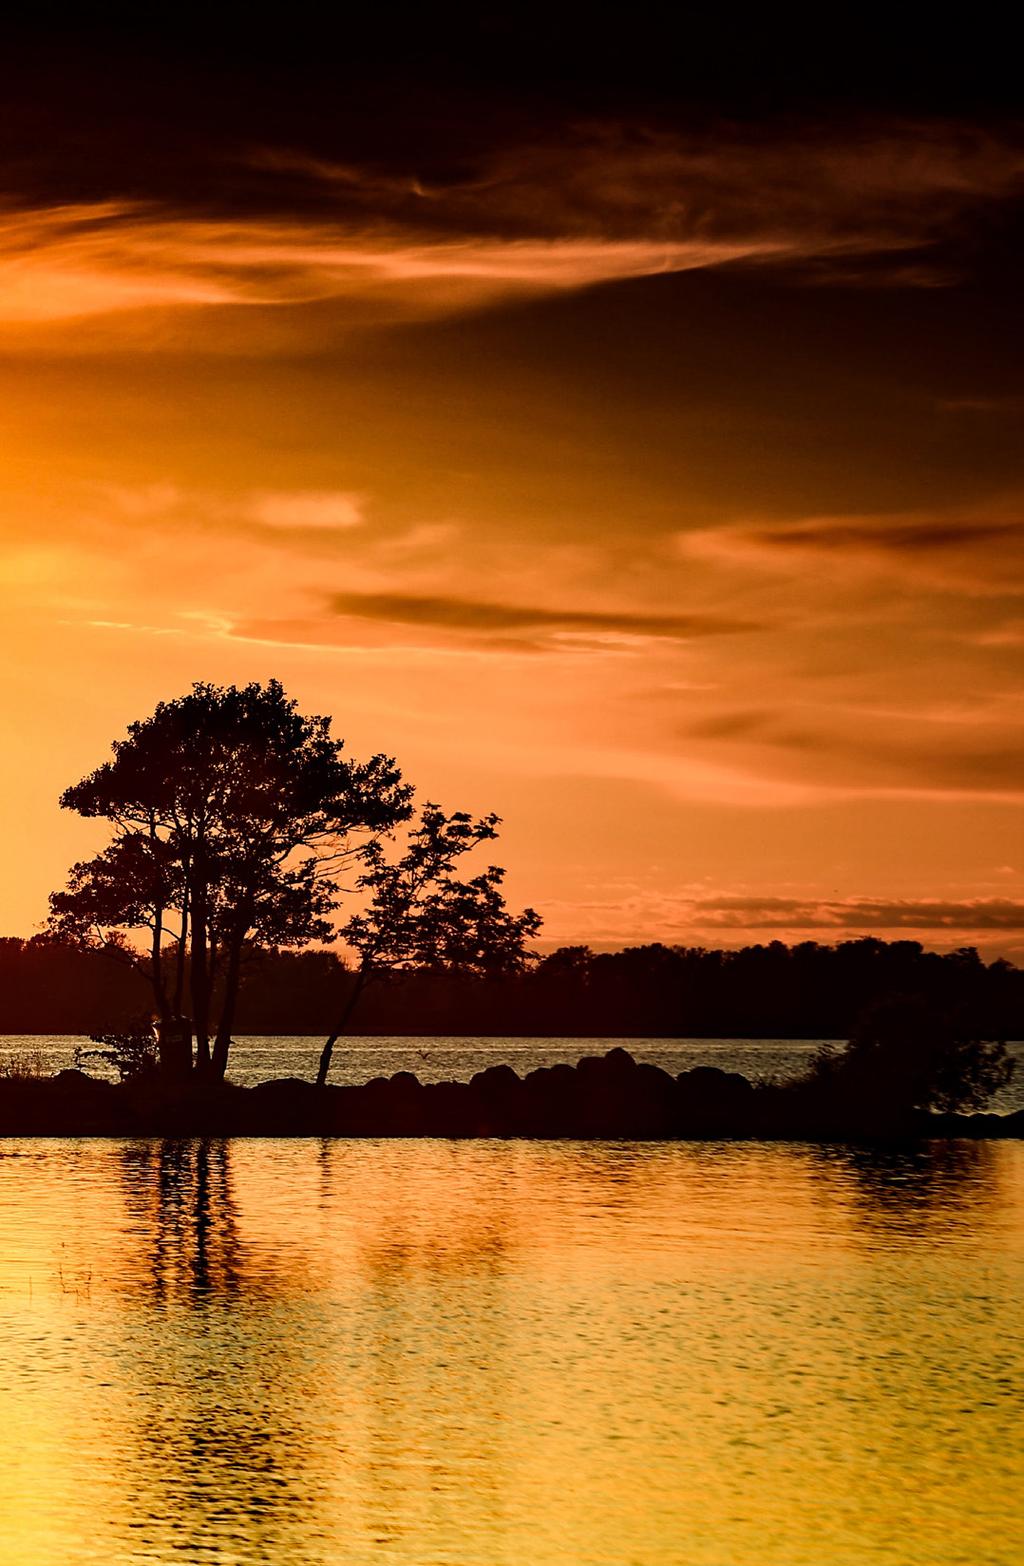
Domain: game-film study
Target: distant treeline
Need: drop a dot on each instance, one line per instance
(808, 991)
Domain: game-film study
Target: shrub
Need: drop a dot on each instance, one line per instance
(132, 1053)
(904, 1054)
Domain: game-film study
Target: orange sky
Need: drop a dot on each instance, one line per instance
(657, 486)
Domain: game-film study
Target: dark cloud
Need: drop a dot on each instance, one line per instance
(597, 205)
(330, 634)
(683, 127)
(911, 538)
(973, 555)
(478, 615)
(483, 625)
(417, 76)
(805, 202)
(850, 190)
(857, 750)
(733, 725)
(865, 913)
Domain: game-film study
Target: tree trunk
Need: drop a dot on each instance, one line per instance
(174, 1042)
(199, 977)
(156, 950)
(347, 1010)
(179, 974)
(200, 995)
(156, 961)
(222, 1043)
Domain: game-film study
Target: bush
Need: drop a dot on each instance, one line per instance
(133, 1053)
(904, 1054)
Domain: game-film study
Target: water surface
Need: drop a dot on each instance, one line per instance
(431, 1352)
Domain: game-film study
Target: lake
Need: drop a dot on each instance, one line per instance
(435, 1353)
(260, 1059)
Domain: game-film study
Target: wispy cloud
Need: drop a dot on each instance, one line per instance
(611, 203)
(692, 917)
(110, 258)
(316, 509)
(980, 555)
(858, 913)
(480, 615)
(313, 515)
(480, 625)
(955, 752)
(817, 187)
(1008, 633)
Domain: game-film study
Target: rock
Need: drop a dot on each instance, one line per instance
(713, 1101)
(611, 1096)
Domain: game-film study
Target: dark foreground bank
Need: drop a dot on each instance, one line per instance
(611, 1097)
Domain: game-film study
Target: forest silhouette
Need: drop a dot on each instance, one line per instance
(48, 985)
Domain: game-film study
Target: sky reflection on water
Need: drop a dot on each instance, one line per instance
(486, 1352)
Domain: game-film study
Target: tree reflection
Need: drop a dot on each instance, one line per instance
(916, 1190)
(179, 1197)
(221, 1452)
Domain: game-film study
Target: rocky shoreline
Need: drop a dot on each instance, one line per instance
(610, 1097)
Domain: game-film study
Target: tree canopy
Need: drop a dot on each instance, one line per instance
(420, 916)
(235, 821)
(233, 815)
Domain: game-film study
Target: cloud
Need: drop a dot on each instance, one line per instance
(308, 516)
(107, 258)
(910, 538)
(979, 555)
(478, 625)
(481, 616)
(868, 748)
(303, 509)
(694, 917)
(606, 203)
(1010, 633)
(840, 188)
(858, 913)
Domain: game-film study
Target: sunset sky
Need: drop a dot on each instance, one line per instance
(623, 432)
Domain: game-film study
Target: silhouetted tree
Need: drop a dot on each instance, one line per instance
(131, 885)
(421, 918)
(906, 1054)
(232, 815)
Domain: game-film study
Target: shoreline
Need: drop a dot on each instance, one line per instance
(602, 1098)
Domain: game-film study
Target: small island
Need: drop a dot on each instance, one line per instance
(610, 1097)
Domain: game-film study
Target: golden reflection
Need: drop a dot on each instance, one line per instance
(497, 1351)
